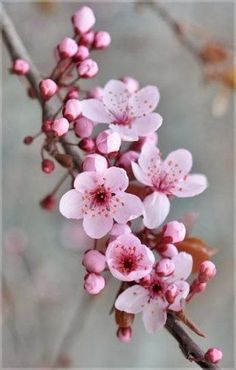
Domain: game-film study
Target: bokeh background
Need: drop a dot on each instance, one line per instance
(43, 287)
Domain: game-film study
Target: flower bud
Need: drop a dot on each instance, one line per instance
(82, 53)
(67, 48)
(165, 267)
(167, 250)
(146, 281)
(28, 140)
(173, 232)
(88, 68)
(47, 126)
(47, 88)
(95, 162)
(119, 229)
(213, 355)
(124, 334)
(108, 142)
(171, 293)
(20, 67)
(207, 271)
(47, 165)
(95, 93)
(126, 159)
(94, 283)
(72, 109)
(94, 261)
(83, 20)
(87, 144)
(131, 84)
(83, 127)
(60, 126)
(48, 203)
(197, 287)
(102, 40)
(87, 39)
(73, 93)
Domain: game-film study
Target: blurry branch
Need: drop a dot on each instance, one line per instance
(16, 50)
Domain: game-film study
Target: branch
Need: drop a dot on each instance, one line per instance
(16, 50)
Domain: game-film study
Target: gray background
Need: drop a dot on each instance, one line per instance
(143, 47)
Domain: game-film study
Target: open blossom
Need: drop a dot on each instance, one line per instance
(165, 178)
(98, 198)
(128, 259)
(131, 115)
(159, 294)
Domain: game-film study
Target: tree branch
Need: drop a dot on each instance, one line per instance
(16, 50)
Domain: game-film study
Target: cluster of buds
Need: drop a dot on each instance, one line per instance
(95, 263)
(207, 271)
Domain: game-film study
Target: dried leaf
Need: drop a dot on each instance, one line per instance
(188, 322)
(214, 53)
(124, 319)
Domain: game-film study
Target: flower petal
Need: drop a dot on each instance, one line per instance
(144, 101)
(71, 204)
(95, 110)
(177, 165)
(132, 300)
(148, 124)
(115, 97)
(127, 133)
(179, 301)
(150, 158)
(130, 208)
(116, 179)
(183, 266)
(154, 315)
(140, 175)
(97, 226)
(190, 186)
(156, 209)
(87, 180)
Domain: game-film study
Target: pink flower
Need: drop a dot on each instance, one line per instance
(98, 198)
(131, 115)
(158, 295)
(165, 178)
(128, 259)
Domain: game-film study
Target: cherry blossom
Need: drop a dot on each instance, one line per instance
(159, 294)
(131, 115)
(165, 178)
(128, 259)
(100, 198)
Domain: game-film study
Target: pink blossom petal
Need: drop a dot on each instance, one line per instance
(154, 315)
(183, 288)
(156, 209)
(97, 226)
(87, 180)
(95, 110)
(131, 208)
(127, 133)
(144, 101)
(115, 97)
(148, 124)
(183, 266)
(116, 179)
(150, 157)
(140, 175)
(190, 186)
(177, 165)
(71, 204)
(132, 300)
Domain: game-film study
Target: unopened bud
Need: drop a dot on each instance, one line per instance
(67, 48)
(28, 140)
(87, 144)
(213, 355)
(173, 232)
(48, 203)
(88, 68)
(47, 165)
(47, 88)
(20, 67)
(94, 283)
(102, 40)
(124, 334)
(165, 267)
(94, 261)
(207, 271)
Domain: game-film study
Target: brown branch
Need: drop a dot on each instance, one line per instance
(16, 50)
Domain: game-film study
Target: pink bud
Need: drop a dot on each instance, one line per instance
(67, 48)
(131, 84)
(87, 39)
(108, 142)
(47, 88)
(94, 283)
(72, 109)
(124, 334)
(173, 232)
(213, 355)
(28, 140)
(88, 68)
(47, 165)
(73, 93)
(126, 159)
(171, 293)
(165, 267)
(207, 271)
(83, 127)
(95, 162)
(47, 126)
(197, 287)
(119, 229)
(82, 53)
(94, 261)
(167, 250)
(60, 126)
(20, 67)
(95, 93)
(48, 203)
(87, 144)
(83, 20)
(102, 40)
(146, 281)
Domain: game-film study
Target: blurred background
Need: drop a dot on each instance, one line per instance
(47, 317)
